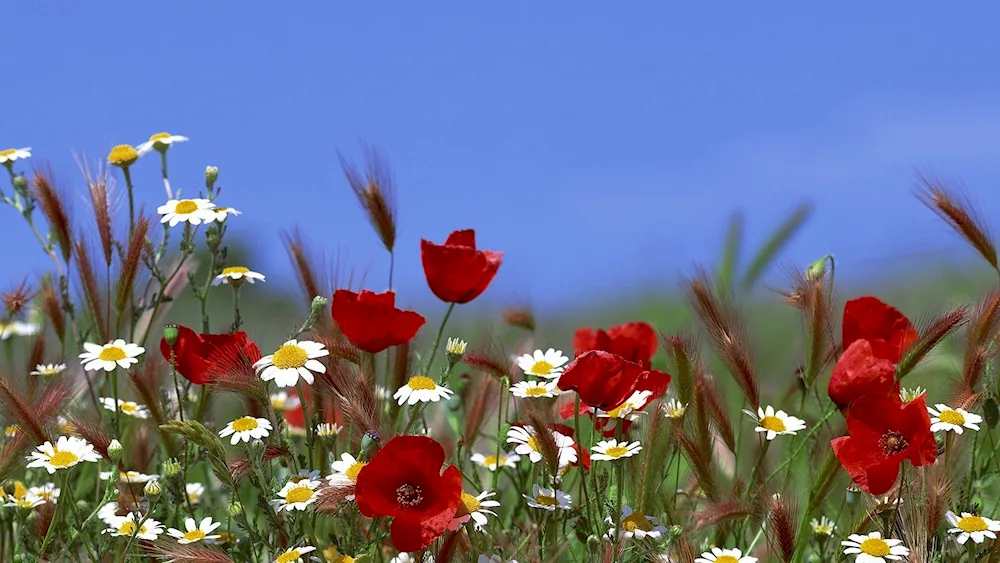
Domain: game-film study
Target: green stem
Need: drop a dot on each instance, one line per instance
(801, 446)
(131, 201)
(114, 391)
(437, 340)
(237, 320)
(55, 519)
(501, 411)
(177, 385)
(579, 446)
(163, 171)
(307, 411)
(619, 490)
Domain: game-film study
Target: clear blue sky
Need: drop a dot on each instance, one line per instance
(600, 145)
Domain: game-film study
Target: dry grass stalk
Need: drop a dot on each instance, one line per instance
(961, 216)
(375, 190)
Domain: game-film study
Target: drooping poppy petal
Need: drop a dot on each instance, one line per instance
(371, 321)
(192, 352)
(887, 329)
(456, 271)
(602, 379)
(858, 372)
(635, 341)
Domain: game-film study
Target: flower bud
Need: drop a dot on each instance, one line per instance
(455, 349)
(235, 508)
(852, 495)
(171, 467)
(211, 175)
(123, 156)
(20, 183)
(369, 443)
(817, 269)
(171, 333)
(153, 489)
(593, 544)
(327, 431)
(115, 450)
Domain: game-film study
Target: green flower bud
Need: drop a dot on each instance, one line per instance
(115, 450)
(817, 269)
(211, 175)
(370, 443)
(153, 489)
(171, 467)
(235, 508)
(20, 183)
(171, 333)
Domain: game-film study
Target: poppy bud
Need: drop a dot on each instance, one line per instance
(817, 269)
(852, 495)
(171, 333)
(369, 443)
(593, 544)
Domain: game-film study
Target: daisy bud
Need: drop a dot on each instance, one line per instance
(171, 333)
(235, 508)
(171, 467)
(317, 307)
(211, 175)
(817, 269)
(593, 544)
(123, 156)
(115, 451)
(153, 489)
(20, 183)
(455, 350)
(327, 431)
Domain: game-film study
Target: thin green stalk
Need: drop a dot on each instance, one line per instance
(619, 486)
(583, 473)
(114, 391)
(55, 518)
(163, 171)
(177, 385)
(307, 411)
(237, 320)
(131, 201)
(501, 411)
(801, 446)
(437, 340)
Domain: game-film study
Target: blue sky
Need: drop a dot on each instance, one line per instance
(601, 146)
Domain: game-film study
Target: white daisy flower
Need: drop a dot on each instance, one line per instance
(548, 499)
(535, 389)
(236, 275)
(527, 444)
(195, 532)
(610, 450)
(282, 401)
(223, 213)
(130, 477)
(874, 549)
(328, 429)
(946, 418)
(194, 211)
(629, 409)
(115, 354)
(108, 512)
(492, 462)
(345, 470)
(978, 528)
(133, 524)
(296, 495)
(126, 407)
(11, 430)
(823, 527)
(25, 500)
(636, 525)
(421, 389)
(456, 347)
(548, 364)
(718, 555)
(48, 369)
(245, 428)
(888, 502)
(294, 359)
(7, 156)
(294, 555)
(674, 409)
(773, 423)
(194, 492)
(160, 142)
(407, 558)
(493, 559)
(474, 508)
(67, 452)
(18, 328)
(47, 492)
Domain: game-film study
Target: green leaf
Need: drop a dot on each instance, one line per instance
(774, 244)
(730, 253)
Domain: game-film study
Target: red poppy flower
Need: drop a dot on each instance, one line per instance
(602, 379)
(859, 372)
(636, 341)
(883, 433)
(404, 482)
(455, 270)
(888, 330)
(653, 382)
(194, 353)
(371, 320)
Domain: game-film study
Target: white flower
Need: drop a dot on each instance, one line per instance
(456, 347)
(637, 525)
(282, 401)
(421, 389)
(718, 555)
(133, 524)
(674, 409)
(493, 559)
(194, 492)
(346, 470)
(48, 369)
(194, 211)
(328, 429)
(130, 476)
(491, 462)
(223, 213)
(548, 499)
(67, 452)
(773, 423)
(245, 428)
(874, 549)
(10, 155)
(126, 407)
(117, 353)
(527, 444)
(18, 328)
(946, 418)
(535, 389)
(195, 533)
(46, 492)
(474, 508)
(823, 527)
(407, 558)
(108, 512)
(294, 555)
(23, 498)
(888, 502)
(237, 274)
(294, 359)
(548, 364)
(160, 142)
(610, 450)
(908, 395)
(627, 410)
(971, 526)
(296, 495)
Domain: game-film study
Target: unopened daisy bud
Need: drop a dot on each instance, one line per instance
(675, 531)
(171, 467)
(171, 333)
(593, 544)
(328, 431)
(20, 183)
(455, 350)
(817, 269)
(153, 489)
(235, 508)
(115, 451)
(908, 395)
(211, 175)
(123, 156)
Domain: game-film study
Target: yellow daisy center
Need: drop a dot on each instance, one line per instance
(468, 505)
(533, 443)
(112, 354)
(616, 451)
(545, 500)
(727, 559)
(232, 270)
(619, 411)
(8, 152)
(46, 494)
(19, 490)
(298, 494)
(159, 137)
(773, 424)
(952, 417)
(492, 460)
(62, 458)
(535, 391)
(127, 528)
(194, 535)
(129, 408)
(972, 524)
(11, 430)
(123, 155)
(245, 424)
(290, 356)
(421, 383)
(636, 521)
(542, 368)
(185, 206)
(194, 497)
(277, 403)
(354, 469)
(875, 547)
(289, 556)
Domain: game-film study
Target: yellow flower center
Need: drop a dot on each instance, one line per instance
(185, 206)
(290, 356)
(952, 417)
(421, 383)
(19, 490)
(112, 354)
(535, 391)
(468, 505)
(636, 521)
(235, 270)
(62, 458)
(127, 528)
(298, 494)
(545, 500)
(533, 443)
(11, 431)
(245, 424)
(194, 497)
(875, 547)
(616, 451)
(542, 368)
(354, 469)
(492, 460)
(289, 556)
(773, 424)
(727, 559)
(8, 152)
(46, 494)
(123, 155)
(129, 408)
(972, 524)
(159, 137)
(194, 535)
(277, 403)
(619, 411)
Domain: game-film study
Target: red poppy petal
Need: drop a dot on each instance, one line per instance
(465, 237)
(413, 533)
(889, 331)
(858, 372)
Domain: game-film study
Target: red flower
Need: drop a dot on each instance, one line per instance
(371, 321)
(455, 270)
(194, 353)
(888, 330)
(653, 382)
(859, 372)
(636, 341)
(605, 380)
(404, 482)
(883, 432)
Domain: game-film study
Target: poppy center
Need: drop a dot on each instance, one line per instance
(289, 556)
(875, 547)
(186, 206)
(354, 469)
(616, 451)
(409, 496)
(952, 417)
(421, 383)
(290, 356)
(892, 443)
(194, 535)
(535, 391)
(545, 500)
(773, 423)
(972, 524)
(468, 505)
(298, 494)
(245, 424)
(62, 458)
(636, 521)
(112, 354)
(726, 559)
(232, 270)
(542, 368)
